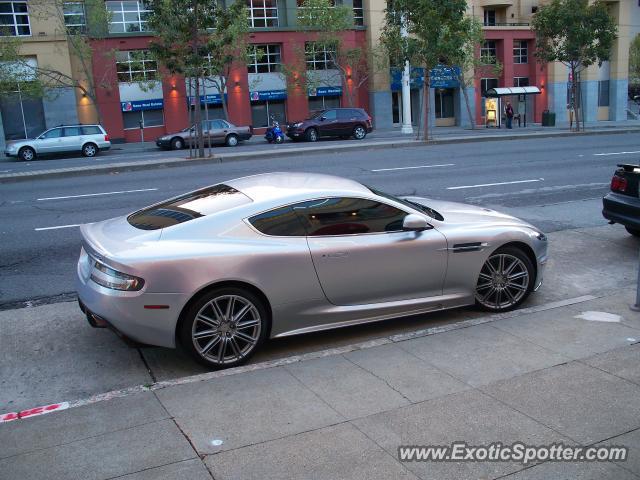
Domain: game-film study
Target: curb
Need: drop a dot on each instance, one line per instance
(101, 397)
(288, 152)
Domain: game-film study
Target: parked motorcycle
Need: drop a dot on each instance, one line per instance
(274, 133)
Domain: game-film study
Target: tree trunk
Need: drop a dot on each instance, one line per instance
(463, 86)
(574, 96)
(225, 107)
(191, 118)
(426, 103)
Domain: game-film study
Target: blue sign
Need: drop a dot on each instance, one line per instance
(444, 77)
(416, 78)
(137, 105)
(325, 91)
(268, 95)
(210, 99)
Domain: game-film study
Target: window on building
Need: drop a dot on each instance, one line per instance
(489, 17)
(603, 93)
(264, 58)
(263, 13)
(520, 51)
(262, 110)
(520, 81)
(358, 12)
(444, 103)
(127, 16)
(489, 51)
(212, 111)
(348, 216)
(136, 66)
(323, 103)
(149, 118)
(487, 84)
(74, 17)
(22, 115)
(319, 57)
(14, 19)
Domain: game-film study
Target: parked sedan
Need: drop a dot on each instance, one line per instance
(85, 139)
(222, 269)
(337, 122)
(622, 204)
(220, 132)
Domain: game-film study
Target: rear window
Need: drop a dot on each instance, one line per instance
(91, 130)
(200, 203)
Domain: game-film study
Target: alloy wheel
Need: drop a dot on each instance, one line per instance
(226, 329)
(89, 150)
(503, 282)
(27, 154)
(359, 133)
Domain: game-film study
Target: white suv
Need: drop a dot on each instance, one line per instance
(88, 139)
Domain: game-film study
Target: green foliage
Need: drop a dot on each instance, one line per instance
(634, 61)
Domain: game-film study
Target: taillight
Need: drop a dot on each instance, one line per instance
(106, 138)
(618, 184)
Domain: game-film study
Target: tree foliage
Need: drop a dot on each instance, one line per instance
(576, 33)
(634, 62)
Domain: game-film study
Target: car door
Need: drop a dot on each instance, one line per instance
(50, 141)
(328, 124)
(219, 131)
(347, 120)
(362, 255)
(71, 139)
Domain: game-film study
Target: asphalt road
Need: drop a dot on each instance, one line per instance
(554, 183)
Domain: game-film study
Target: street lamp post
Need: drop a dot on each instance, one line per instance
(636, 307)
(407, 128)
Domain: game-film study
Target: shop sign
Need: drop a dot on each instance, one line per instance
(268, 95)
(137, 105)
(210, 99)
(444, 77)
(325, 91)
(416, 79)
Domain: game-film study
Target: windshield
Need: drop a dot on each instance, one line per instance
(422, 208)
(317, 114)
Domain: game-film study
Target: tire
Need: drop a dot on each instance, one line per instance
(231, 140)
(89, 150)
(505, 280)
(311, 135)
(279, 140)
(27, 154)
(359, 132)
(177, 143)
(216, 342)
(633, 231)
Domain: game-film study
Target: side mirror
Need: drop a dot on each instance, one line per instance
(415, 223)
(322, 119)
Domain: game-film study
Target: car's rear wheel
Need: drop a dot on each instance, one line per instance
(505, 281)
(359, 132)
(177, 144)
(231, 140)
(89, 149)
(224, 327)
(633, 231)
(27, 154)
(311, 135)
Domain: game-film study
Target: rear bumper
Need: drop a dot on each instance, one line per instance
(244, 136)
(622, 209)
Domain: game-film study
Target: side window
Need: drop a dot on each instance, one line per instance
(345, 114)
(218, 124)
(91, 130)
(330, 115)
(55, 133)
(71, 131)
(279, 222)
(348, 216)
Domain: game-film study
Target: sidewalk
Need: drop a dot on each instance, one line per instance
(147, 155)
(564, 369)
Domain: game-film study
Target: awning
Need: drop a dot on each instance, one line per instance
(506, 91)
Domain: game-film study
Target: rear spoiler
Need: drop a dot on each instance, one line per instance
(627, 167)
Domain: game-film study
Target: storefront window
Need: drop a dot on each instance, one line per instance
(263, 13)
(127, 16)
(262, 110)
(149, 118)
(14, 19)
(444, 103)
(323, 103)
(212, 112)
(22, 116)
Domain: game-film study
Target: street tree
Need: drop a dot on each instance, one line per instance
(576, 33)
(85, 36)
(428, 33)
(634, 66)
(200, 40)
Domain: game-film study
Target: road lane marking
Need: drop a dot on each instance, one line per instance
(494, 184)
(614, 153)
(411, 168)
(97, 194)
(55, 228)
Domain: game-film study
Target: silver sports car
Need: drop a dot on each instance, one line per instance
(221, 269)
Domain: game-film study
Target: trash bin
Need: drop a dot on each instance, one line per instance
(548, 119)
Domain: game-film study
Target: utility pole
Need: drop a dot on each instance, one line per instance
(407, 128)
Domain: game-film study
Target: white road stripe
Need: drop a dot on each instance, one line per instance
(55, 228)
(614, 153)
(411, 168)
(97, 194)
(494, 184)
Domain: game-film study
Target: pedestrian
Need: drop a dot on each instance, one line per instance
(508, 110)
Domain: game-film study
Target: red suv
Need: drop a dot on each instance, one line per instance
(336, 122)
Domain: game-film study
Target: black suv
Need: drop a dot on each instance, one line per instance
(336, 122)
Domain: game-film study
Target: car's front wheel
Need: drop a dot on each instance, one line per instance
(224, 327)
(633, 231)
(90, 150)
(311, 135)
(505, 280)
(27, 154)
(177, 144)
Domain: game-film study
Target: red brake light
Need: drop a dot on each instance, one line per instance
(106, 138)
(618, 184)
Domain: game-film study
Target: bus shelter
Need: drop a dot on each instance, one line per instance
(494, 99)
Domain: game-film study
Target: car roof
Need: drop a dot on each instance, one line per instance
(267, 187)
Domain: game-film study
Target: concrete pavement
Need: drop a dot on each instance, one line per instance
(564, 368)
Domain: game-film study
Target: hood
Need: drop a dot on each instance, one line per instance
(13, 142)
(462, 213)
(116, 238)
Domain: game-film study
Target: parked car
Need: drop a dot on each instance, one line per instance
(336, 122)
(622, 204)
(85, 139)
(221, 132)
(223, 268)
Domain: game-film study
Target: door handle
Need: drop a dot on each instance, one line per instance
(336, 255)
